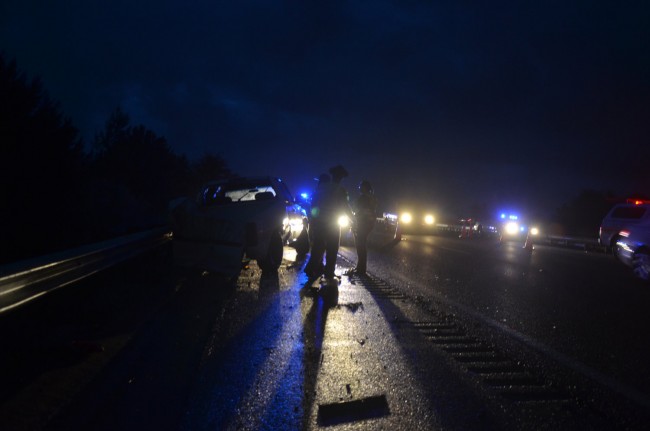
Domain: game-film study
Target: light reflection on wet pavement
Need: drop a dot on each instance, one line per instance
(288, 353)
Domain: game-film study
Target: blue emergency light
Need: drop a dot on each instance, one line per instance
(509, 216)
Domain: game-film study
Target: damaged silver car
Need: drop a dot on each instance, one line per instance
(232, 219)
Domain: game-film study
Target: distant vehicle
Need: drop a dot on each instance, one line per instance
(512, 227)
(386, 231)
(622, 216)
(230, 219)
(417, 221)
(633, 248)
(472, 228)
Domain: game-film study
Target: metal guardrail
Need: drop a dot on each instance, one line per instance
(588, 244)
(25, 281)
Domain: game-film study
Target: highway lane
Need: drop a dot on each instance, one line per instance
(267, 357)
(581, 308)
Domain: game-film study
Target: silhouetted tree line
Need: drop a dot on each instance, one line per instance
(56, 195)
(582, 215)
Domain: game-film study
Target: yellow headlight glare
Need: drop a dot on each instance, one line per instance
(512, 228)
(406, 218)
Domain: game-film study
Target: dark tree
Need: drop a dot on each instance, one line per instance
(55, 196)
(137, 175)
(41, 167)
(208, 168)
(582, 215)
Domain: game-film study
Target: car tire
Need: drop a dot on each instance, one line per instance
(273, 258)
(641, 264)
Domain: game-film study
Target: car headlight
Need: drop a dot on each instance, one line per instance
(429, 219)
(406, 218)
(534, 231)
(296, 224)
(512, 228)
(293, 223)
(344, 221)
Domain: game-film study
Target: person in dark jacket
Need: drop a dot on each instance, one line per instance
(329, 203)
(317, 227)
(365, 208)
(338, 206)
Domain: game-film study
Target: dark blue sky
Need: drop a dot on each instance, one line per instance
(459, 102)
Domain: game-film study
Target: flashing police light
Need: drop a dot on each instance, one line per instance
(637, 201)
(505, 216)
(304, 195)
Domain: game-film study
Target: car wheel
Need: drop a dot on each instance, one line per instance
(641, 264)
(273, 258)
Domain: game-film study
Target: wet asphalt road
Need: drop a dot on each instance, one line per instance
(144, 347)
(583, 307)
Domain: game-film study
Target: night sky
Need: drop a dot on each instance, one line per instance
(458, 103)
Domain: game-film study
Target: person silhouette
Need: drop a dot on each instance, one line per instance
(365, 208)
(317, 228)
(330, 201)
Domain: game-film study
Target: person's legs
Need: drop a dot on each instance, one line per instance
(314, 267)
(332, 248)
(361, 243)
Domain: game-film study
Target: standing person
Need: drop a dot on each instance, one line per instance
(365, 209)
(317, 227)
(337, 206)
